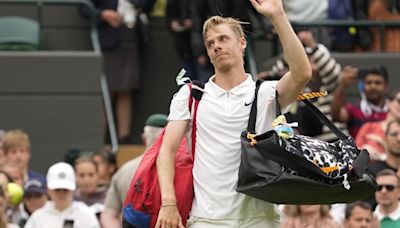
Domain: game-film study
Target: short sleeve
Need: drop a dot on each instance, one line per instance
(112, 201)
(267, 94)
(179, 108)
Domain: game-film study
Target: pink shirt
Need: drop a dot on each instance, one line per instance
(371, 137)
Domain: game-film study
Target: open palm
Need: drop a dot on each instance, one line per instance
(268, 7)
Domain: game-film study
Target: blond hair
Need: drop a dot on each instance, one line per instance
(213, 21)
(15, 138)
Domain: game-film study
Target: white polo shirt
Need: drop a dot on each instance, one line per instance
(222, 116)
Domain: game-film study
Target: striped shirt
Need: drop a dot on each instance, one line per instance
(329, 72)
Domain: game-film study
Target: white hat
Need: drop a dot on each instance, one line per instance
(61, 176)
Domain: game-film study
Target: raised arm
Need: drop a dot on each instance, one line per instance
(169, 216)
(338, 111)
(293, 82)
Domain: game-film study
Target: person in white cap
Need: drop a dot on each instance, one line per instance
(62, 211)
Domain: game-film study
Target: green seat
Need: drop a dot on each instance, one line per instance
(19, 34)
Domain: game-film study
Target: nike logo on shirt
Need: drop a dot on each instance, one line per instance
(247, 104)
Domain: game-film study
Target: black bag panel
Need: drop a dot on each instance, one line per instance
(284, 188)
(291, 189)
(268, 145)
(361, 163)
(255, 168)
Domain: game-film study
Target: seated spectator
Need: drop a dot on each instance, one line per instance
(3, 207)
(111, 217)
(88, 190)
(359, 215)
(387, 196)
(106, 165)
(392, 140)
(2, 156)
(17, 145)
(299, 216)
(393, 154)
(385, 10)
(62, 211)
(35, 197)
(372, 134)
(373, 105)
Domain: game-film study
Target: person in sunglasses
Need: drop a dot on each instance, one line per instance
(387, 196)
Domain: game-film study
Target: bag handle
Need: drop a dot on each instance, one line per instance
(251, 126)
(253, 114)
(325, 120)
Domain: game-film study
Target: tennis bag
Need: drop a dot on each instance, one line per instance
(143, 200)
(301, 169)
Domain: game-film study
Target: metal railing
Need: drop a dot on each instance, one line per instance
(96, 48)
(382, 25)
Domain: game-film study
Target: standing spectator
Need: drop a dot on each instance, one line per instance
(3, 206)
(299, 216)
(111, 217)
(106, 166)
(306, 10)
(309, 11)
(364, 36)
(385, 10)
(222, 116)
(359, 215)
(35, 197)
(372, 134)
(180, 23)
(119, 38)
(17, 149)
(373, 105)
(88, 190)
(62, 211)
(387, 196)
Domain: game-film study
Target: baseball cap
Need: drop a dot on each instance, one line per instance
(34, 186)
(157, 120)
(61, 176)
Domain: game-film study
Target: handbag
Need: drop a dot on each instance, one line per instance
(301, 169)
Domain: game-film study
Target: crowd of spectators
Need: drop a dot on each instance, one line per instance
(82, 193)
(89, 191)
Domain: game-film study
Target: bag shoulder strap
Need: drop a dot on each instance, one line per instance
(196, 93)
(253, 112)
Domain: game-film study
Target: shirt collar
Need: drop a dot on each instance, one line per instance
(240, 89)
(395, 215)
